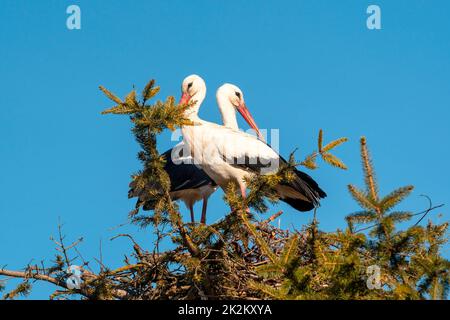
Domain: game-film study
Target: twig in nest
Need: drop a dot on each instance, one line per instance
(272, 217)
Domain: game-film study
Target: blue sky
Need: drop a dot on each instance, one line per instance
(302, 65)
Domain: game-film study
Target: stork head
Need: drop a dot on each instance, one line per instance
(235, 97)
(193, 88)
(232, 93)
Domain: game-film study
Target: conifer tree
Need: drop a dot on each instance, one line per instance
(242, 257)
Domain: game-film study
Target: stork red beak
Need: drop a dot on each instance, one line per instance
(185, 98)
(248, 117)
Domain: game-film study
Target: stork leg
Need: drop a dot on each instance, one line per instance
(205, 204)
(191, 209)
(244, 195)
(243, 190)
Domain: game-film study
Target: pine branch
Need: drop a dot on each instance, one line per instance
(362, 198)
(369, 175)
(110, 95)
(400, 216)
(333, 144)
(333, 160)
(34, 274)
(150, 91)
(262, 244)
(362, 217)
(310, 160)
(290, 249)
(320, 141)
(395, 197)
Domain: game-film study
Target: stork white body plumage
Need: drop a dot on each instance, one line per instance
(217, 149)
(228, 155)
(189, 183)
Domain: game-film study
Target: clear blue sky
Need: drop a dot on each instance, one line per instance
(302, 65)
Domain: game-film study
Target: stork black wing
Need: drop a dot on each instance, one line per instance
(302, 193)
(182, 175)
(252, 164)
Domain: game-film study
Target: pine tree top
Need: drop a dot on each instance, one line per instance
(241, 257)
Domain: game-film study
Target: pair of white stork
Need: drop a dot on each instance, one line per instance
(212, 155)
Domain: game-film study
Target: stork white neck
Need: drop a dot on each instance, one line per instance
(198, 97)
(227, 110)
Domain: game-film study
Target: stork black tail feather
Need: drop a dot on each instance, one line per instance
(311, 183)
(304, 193)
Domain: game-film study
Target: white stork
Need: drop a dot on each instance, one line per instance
(188, 182)
(228, 155)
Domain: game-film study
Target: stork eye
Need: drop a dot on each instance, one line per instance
(190, 85)
(238, 94)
